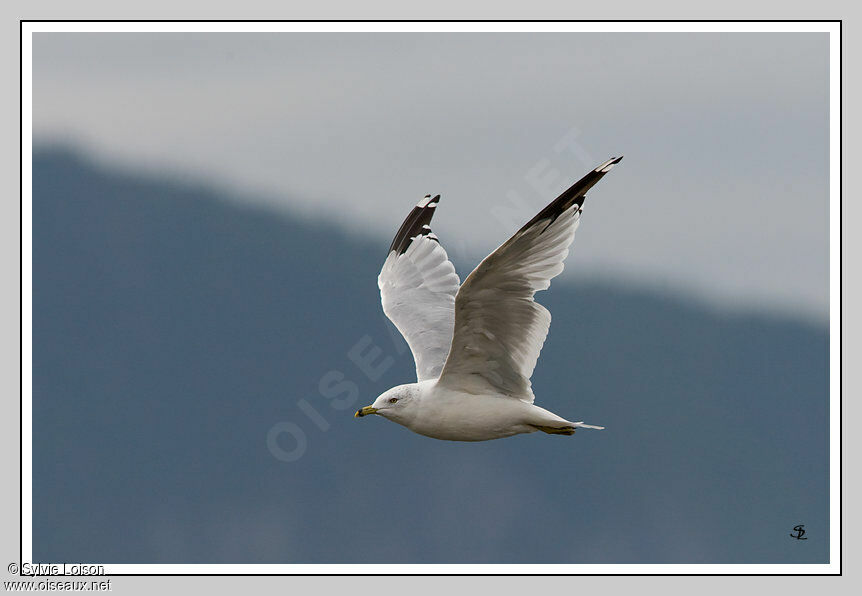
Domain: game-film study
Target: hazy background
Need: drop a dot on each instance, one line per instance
(723, 193)
(211, 211)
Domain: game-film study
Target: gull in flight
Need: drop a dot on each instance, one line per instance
(475, 346)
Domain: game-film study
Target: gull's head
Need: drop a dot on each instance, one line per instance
(392, 404)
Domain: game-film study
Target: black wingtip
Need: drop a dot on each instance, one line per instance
(416, 224)
(606, 167)
(575, 195)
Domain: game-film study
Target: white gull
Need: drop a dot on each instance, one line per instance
(476, 346)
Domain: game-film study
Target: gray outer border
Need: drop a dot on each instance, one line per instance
(391, 9)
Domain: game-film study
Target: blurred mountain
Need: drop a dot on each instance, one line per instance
(182, 342)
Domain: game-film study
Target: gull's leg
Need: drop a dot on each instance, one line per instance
(548, 422)
(554, 430)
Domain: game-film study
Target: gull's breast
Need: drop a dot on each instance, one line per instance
(456, 416)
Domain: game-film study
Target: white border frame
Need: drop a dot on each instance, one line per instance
(834, 30)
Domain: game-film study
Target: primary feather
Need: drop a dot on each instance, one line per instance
(417, 285)
(499, 328)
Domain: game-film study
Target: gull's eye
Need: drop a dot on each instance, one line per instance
(393, 400)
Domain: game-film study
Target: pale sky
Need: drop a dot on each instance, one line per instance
(723, 192)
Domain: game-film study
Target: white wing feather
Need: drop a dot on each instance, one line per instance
(499, 328)
(417, 290)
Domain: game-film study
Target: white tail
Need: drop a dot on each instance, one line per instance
(582, 425)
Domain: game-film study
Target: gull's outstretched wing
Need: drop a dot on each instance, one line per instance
(418, 284)
(499, 328)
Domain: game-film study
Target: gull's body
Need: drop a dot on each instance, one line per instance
(443, 413)
(476, 345)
